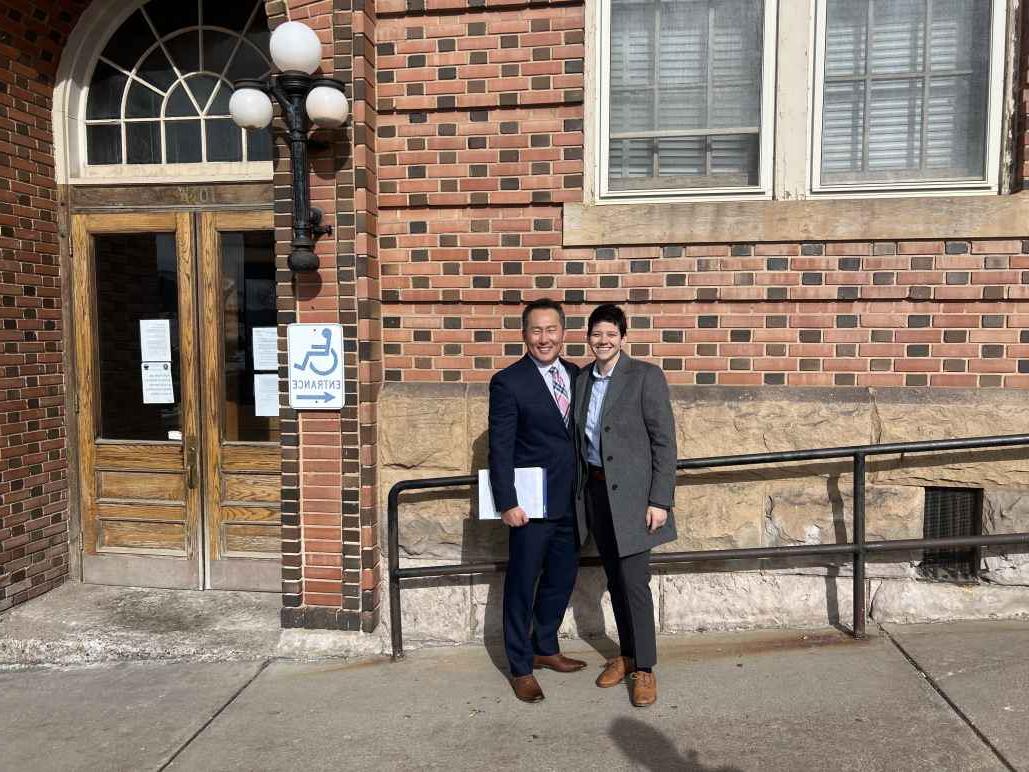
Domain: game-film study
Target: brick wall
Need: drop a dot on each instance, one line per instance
(446, 193)
(33, 430)
(480, 141)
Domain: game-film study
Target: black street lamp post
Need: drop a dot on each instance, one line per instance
(303, 100)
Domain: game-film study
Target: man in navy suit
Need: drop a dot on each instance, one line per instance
(530, 425)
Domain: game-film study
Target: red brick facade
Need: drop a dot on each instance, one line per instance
(331, 566)
(866, 314)
(445, 191)
(481, 140)
(33, 425)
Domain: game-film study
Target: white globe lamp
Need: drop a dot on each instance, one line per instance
(327, 106)
(250, 108)
(304, 100)
(295, 47)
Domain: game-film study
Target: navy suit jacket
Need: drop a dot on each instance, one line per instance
(526, 429)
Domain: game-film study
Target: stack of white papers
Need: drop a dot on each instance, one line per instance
(530, 485)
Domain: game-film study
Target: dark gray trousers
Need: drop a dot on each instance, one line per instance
(628, 581)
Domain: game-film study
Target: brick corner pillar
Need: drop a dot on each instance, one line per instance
(362, 184)
(330, 554)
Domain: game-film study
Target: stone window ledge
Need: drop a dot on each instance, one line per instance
(860, 219)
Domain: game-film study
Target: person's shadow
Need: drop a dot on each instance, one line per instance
(648, 748)
(486, 541)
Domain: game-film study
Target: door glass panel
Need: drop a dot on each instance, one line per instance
(136, 280)
(248, 300)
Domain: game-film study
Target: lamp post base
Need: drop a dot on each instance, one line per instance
(302, 260)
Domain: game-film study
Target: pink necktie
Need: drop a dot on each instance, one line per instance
(560, 392)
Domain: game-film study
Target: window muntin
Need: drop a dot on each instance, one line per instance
(907, 94)
(160, 90)
(686, 97)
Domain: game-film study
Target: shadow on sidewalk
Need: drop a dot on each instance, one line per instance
(585, 607)
(650, 749)
(487, 541)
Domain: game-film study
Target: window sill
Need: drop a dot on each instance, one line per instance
(858, 219)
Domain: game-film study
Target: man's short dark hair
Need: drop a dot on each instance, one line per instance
(608, 312)
(542, 303)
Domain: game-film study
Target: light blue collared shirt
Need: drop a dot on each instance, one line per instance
(599, 391)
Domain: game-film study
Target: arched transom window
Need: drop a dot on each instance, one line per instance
(159, 92)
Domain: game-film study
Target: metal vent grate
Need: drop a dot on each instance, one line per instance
(952, 512)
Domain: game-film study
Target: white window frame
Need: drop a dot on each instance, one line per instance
(994, 120)
(601, 122)
(74, 75)
(791, 115)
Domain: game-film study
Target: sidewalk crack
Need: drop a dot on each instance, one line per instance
(203, 727)
(953, 705)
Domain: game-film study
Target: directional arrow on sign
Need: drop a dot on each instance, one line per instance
(323, 397)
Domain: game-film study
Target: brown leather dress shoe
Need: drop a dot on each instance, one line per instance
(527, 688)
(558, 662)
(644, 689)
(613, 673)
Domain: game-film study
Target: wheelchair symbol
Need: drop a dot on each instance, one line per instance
(317, 352)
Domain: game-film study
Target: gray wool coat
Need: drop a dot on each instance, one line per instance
(637, 431)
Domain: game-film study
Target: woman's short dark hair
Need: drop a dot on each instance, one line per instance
(542, 303)
(608, 312)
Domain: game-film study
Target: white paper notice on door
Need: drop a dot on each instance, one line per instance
(266, 394)
(265, 343)
(155, 340)
(157, 383)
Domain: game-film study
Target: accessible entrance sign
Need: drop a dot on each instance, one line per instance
(315, 353)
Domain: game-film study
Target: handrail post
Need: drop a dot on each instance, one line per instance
(393, 542)
(859, 545)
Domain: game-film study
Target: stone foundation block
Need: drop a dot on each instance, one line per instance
(437, 609)
(911, 601)
(424, 430)
(729, 601)
(1006, 511)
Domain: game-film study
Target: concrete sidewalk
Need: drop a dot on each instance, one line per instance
(91, 623)
(931, 697)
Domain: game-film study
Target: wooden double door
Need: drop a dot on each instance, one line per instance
(176, 396)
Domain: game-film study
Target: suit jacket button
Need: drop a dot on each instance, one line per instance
(610, 458)
(607, 428)
(614, 487)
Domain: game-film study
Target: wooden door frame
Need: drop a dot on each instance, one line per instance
(219, 571)
(163, 198)
(107, 568)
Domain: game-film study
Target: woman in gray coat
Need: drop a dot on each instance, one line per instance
(626, 448)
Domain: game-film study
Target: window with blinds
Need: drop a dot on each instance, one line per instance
(905, 91)
(684, 95)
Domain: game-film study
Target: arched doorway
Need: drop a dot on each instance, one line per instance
(173, 297)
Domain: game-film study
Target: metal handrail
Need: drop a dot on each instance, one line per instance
(859, 547)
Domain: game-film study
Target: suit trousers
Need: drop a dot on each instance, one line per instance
(628, 581)
(543, 559)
